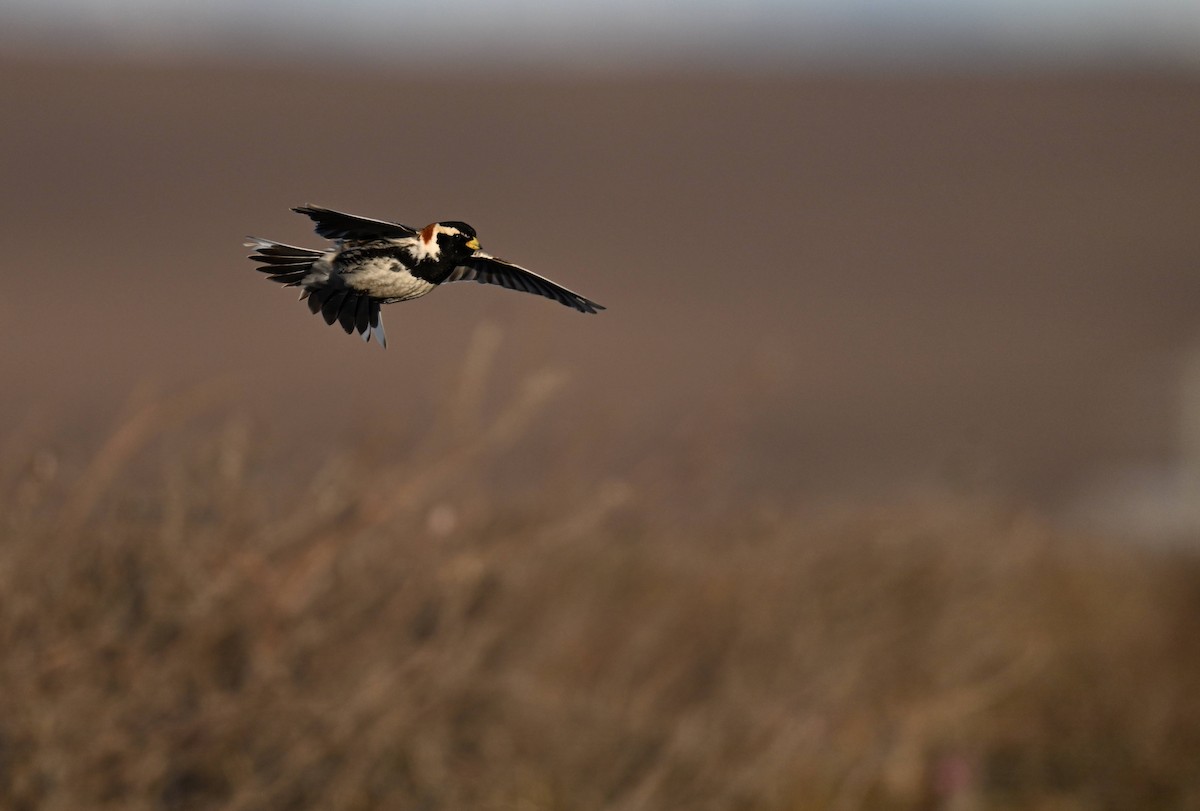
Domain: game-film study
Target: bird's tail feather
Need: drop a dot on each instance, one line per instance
(286, 264)
(292, 266)
(353, 311)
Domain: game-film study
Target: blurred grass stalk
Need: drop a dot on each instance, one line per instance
(397, 634)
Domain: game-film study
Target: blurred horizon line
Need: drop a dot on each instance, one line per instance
(861, 45)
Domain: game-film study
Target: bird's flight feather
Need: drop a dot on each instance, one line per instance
(337, 225)
(487, 269)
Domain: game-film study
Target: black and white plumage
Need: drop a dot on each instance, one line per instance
(375, 262)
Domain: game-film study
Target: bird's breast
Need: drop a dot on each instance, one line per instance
(383, 277)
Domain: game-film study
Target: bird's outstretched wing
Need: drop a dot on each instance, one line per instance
(485, 269)
(336, 225)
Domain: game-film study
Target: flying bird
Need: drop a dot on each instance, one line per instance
(375, 262)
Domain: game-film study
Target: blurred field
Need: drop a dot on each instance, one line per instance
(188, 625)
(784, 528)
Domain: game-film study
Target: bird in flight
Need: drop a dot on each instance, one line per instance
(375, 262)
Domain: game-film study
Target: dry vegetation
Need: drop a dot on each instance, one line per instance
(190, 621)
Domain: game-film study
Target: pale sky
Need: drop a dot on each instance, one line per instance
(1166, 31)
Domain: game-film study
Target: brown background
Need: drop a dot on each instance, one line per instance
(787, 537)
(859, 282)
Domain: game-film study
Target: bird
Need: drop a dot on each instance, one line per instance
(375, 262)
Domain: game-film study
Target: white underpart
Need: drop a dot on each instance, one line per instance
(385, 278)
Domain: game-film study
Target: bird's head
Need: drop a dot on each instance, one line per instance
(454, 240)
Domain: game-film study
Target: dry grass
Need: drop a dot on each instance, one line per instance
(189, 621)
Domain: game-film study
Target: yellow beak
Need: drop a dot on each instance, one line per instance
(473, 244)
